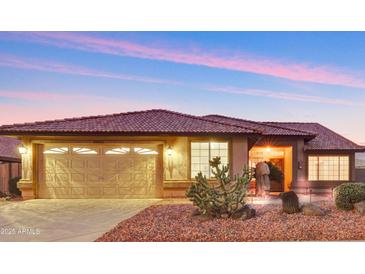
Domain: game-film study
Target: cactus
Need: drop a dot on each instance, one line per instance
(225, 197)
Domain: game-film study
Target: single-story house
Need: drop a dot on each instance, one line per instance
(9, 162)
(157, 153)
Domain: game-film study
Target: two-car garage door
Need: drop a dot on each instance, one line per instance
(100, 171)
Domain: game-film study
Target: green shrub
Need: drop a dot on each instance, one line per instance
(347, 194)
(13, 188)
(224, 198)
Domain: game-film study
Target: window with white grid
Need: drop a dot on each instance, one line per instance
(328, 168)
(202, 152)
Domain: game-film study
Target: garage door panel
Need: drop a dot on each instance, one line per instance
(93, 163)
(50, 177)
(124, 175)
(55, 192)
(110, 164)
(125, 163)
(110, 178)
(125, 178)
(78, 163)
(140, 177)
(62, 179)
(94, 191)
(140, 164)
(78, 191)
(110, 191)
(61, 165)
(78, 178)
(93, 178)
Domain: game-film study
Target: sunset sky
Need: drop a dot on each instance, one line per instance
(266, 76)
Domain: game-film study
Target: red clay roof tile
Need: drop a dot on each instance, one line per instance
(265, 129)
(159, 121)
(326, 139)
(149, 121)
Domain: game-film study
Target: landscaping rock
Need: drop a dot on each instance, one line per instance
(196, 212)
(290, 202)
(360, 207)
(202, 218)
(244, 213)
(173, 223)
(313, 210)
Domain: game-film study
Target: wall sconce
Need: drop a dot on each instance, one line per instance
(22, 149)
(300, 164)
(169, 151)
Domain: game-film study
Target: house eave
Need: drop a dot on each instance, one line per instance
(20, 134)
(9, 159)
(334, 150)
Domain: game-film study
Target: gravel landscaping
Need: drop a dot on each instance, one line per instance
(176, 223)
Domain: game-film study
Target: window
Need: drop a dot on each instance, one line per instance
(144, 151)
(328, 168)
(117, 151)
(202, 152)
(83, 150)
(56, 150)
(360, 160)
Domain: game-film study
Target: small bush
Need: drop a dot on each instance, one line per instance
(347, 194)
(13, 188)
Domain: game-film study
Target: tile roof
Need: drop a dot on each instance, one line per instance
(8, 149)
(265, 129)
(159, 121)
(156, 121)
(326, 139)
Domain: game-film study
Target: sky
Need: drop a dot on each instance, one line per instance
(263, 76)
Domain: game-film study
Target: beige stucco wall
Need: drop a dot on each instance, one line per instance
(26, 184)
(176, 166)
(239, 154)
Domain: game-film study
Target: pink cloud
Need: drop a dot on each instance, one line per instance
(58, 110)
(49, 66)
(41, 96)
(236, 61)
(36, 64)
(284, 96)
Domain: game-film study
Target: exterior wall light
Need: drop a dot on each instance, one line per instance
(22, 149)
(268, 149)
(169, 151)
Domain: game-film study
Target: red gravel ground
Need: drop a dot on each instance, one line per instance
(174, 223)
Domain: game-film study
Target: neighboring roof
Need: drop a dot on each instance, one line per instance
(8, 149)
(326, 139)
(264, 128)
(156, 121)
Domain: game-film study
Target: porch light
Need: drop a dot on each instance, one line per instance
(22, 149)
(169, 151)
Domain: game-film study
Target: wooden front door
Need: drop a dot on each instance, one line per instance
(277, 186)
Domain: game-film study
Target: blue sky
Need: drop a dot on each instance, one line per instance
(276, 76)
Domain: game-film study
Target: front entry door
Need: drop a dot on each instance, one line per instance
(277, 186)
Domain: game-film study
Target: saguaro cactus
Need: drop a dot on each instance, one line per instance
(225, 196)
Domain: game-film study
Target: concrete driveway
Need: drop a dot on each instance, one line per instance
(65, 220)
